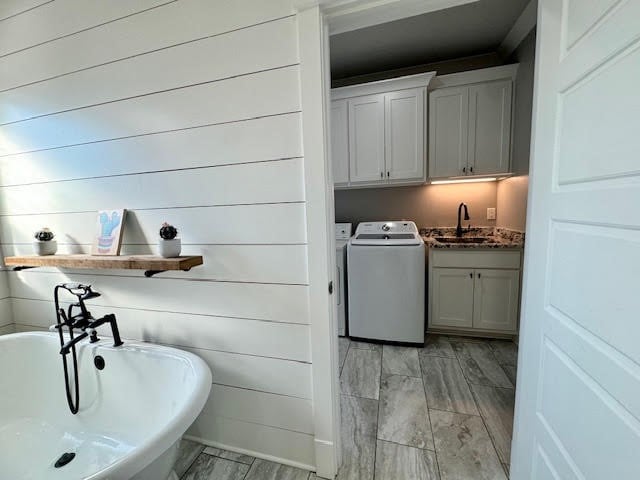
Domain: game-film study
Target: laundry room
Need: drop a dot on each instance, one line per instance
(430, 136)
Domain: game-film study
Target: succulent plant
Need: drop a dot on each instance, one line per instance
(168, 232)
(44, 235)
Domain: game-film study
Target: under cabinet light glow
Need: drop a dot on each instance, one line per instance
(464, 180)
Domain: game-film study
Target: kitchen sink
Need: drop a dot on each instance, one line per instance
(461, 239)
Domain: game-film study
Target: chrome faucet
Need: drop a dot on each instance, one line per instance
(466, 217)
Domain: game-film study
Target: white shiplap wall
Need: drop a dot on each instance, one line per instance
(184, 111)
(6, 314)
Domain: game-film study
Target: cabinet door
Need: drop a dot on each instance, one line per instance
(340, 142)
(452, 298)
(366, 139)
(496, 299)
(448, 131)
(404, 135)
(489, 127)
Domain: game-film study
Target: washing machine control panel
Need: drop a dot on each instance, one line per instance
(387, 227)
(387, 233)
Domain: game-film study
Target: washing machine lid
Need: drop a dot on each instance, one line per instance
(388, 233)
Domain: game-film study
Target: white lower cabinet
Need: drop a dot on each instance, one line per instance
(452, 291)
(465, 293)
(495, 299)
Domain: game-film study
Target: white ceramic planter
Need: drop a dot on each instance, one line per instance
(45, 248)
(169, 248)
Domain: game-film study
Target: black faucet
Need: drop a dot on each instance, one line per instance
(83, 321)
(90, 331)
(466, 217)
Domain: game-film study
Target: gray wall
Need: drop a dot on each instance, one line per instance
(512, 193)
(445, 67)
(427, 205)
(512, 202)
(525, 55)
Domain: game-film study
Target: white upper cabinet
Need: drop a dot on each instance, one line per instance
(489, 127)
(340, 142)
(448, 131)
(366, 139)
(404, 135)
(385, 130)
(470, 123)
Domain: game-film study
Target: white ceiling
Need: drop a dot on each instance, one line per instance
(470, 29)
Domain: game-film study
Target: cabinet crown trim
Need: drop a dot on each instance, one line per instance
(383, 86)
(503, 72)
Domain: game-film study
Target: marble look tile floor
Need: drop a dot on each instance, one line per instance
(197, 462)
(442, 412)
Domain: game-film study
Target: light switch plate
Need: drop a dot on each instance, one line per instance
(491, 213)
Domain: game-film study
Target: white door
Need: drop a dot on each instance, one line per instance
(495, 305)
(452, 298)
(404, 135)
(578, 396)
(340, 142)
(366, 139)
(448, 131)
(489, 127)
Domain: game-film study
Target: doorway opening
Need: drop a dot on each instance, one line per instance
(431, 116)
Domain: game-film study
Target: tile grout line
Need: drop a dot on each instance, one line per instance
(192, 462)
(375, 449)
(473, 395)
(484, 422)
(433, 436)
(453, 411)
(228, 459)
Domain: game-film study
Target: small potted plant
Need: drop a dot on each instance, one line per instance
(44, 243)
(169, 245)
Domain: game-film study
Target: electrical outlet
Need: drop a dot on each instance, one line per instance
(491, 213)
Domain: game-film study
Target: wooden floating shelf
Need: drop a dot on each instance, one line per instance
(152, 264)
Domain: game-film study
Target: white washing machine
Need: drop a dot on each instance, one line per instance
(386, 282)
(343, 233)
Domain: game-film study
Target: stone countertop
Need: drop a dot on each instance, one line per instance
(497, 237)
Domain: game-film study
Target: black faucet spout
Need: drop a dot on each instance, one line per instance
(115, 332)
(66, 348)
(466, 217)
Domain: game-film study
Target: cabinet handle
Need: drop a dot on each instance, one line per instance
(471, 169)
(381, 175)
(387, 174)
(471, 275)
(478, 275)
(464, 169)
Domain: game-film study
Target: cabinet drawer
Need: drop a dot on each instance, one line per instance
(459, 258)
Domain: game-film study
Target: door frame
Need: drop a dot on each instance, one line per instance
(314, 91)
